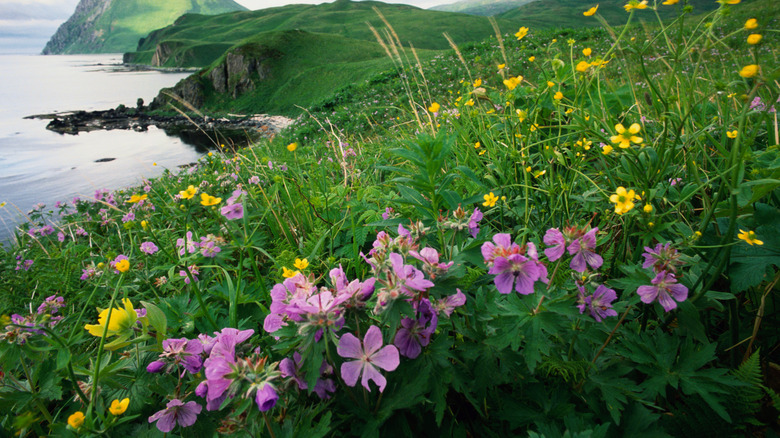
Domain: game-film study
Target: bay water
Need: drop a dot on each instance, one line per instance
(41, 166)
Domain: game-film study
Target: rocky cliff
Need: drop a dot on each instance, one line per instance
(113, 26)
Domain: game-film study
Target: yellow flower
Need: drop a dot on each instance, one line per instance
(749, 71)
(749, 237)
(626, 136)
(301, 264)
(751, 24)
(539, 173)
(550, 84)
(532, 59)
(501, 66)
(731, 134)
(136, 198)
(521, 114)
(482, 152)
(729, 2)
(634, 4)
(122, 265)
(585, 144)
(477, 145)
(558, 96)
(623, 200)
(2, 204)
(477, 82)
(583, 66)
(470, 102)
(76, 420)
(490, 200)
(670, 2)
(512, 83)
(119, 407)
(591, 11)
(144, 224)
(210, 154)
(586, 51)
(521, 33)
(292, 147)
(122, 321)
(287, 273)
(189, 193)
(648, 208)
(754, 38)
(208, 200)
(606, 149)
(434, 108)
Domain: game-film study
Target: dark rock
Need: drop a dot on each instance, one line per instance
(105, 160)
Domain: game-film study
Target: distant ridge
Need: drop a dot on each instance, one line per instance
(482, 7)
(113, 26)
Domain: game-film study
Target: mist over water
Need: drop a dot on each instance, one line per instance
(40, 166)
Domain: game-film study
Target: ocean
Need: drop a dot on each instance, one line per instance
(40, 166)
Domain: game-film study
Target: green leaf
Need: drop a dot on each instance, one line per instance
(157, 319)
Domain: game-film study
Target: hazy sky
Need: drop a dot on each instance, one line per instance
(26, 25)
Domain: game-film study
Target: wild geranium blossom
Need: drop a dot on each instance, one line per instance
(370, 355)
(665, 289)
(191, 245)
(582, 250)
(431, 264)
(149, 248)
(176, 412)
(661, 258)
(184, 352)
(599, 304)
(416, 333)
(510, 267)
(448, 304)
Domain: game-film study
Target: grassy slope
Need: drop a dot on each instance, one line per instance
(568, 13)
(345, 18)
(126, 21)
(482, 7)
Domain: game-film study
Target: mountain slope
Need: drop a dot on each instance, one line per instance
(568, 13)
(481, 7)
(111, 26)
(198, 40)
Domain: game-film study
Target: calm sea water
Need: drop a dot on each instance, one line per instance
(40, 166)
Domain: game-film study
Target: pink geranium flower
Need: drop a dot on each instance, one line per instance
(370, 355)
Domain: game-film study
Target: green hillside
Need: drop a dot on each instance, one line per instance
(110, 26)
(568, 13)
(482, 7)
(273, 72)
(196, 40)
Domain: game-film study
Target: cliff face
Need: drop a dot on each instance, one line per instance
(113, 26)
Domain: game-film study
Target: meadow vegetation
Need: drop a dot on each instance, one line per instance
(548, 233)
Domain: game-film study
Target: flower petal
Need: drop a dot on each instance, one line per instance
(387, 358)
(372, 341)
(350, 371)
(349, 346)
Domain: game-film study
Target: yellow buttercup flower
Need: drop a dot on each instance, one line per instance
(477, 145)
(136, 198)
(532, 59)
(122, 321)
(292, 147)
(512, 83)
(648, 208)
(301, 264)
(623, 200)
(751, 24)
(521, 33)
(582, 66)
(76, 419)
(477, 82)
(501, 66)
(470, 102)
(587, 51)
(144, 224)
(749, 71)
(189, 193)
(521, 114)
(634, 4)
(490, 200)
(754, 38)
(591, 11)
(670, 2)
(626, 136)
(585, 144)
(208, 201)
(731, 134)
(550, 84)
(119, 407)
(122, 265)
(606, 149)
(558, 96)
(288, 273)
(749, 237)
(434, 108)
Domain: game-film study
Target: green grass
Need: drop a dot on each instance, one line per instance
(421, 28)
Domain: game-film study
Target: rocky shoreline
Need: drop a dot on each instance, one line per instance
(74, 122)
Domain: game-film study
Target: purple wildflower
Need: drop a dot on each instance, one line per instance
(266, 397)
(233, 211)
(666, 289)
(191, 245)
(661, 258)
(473, 224)
(430, 259)
(184, 352)
(185, 414)
(599, 304)
(61, 236)
(416, 333)
(557, 243)
(51, 305)
(515, 270)
(193, 272)
(149, 248)
(582, 250)
(448, 304)
(369, 354)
